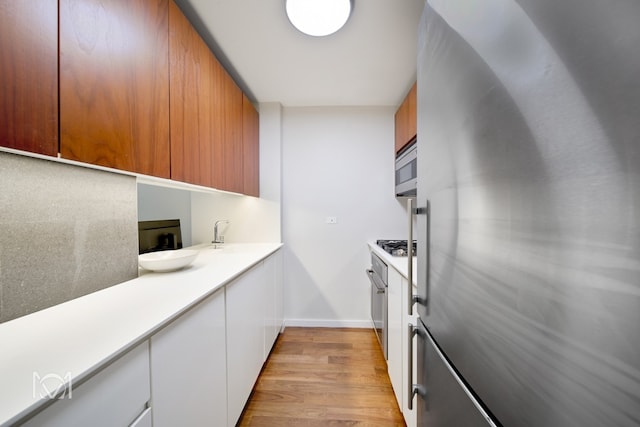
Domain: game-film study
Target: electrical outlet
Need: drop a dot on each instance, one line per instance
(331, 220)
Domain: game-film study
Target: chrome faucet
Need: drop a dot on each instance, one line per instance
(217, 238)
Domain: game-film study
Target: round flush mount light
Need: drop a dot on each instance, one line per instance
(318, 17)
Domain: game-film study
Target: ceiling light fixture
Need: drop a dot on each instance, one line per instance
(318, 17)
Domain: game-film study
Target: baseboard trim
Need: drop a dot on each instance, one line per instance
(327, 323)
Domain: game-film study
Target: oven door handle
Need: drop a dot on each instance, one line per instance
(374, 281)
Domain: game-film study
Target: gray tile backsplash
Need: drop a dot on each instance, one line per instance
(65, 231)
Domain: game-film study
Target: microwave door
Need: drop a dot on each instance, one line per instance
(406, 172)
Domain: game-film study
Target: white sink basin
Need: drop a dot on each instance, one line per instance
(165, 261)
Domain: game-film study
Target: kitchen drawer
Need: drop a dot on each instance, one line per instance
(114, 397)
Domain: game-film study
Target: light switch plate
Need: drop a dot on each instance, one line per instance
(331, 220)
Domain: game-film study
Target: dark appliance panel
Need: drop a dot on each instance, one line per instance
(159, 235)
(443, 401)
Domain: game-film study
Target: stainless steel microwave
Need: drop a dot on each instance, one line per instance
(407, 171)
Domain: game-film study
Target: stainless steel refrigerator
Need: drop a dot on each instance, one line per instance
(529, 213)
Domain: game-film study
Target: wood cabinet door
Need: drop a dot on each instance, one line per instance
(29, 75)
(406, 120)
(412, 120)
(191, 86)
(251, 148)
(114, 84)
(228, 164)
(400, 126)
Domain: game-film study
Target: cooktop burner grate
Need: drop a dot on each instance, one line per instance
(395, 247)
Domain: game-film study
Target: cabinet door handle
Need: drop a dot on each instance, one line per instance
(379, 290)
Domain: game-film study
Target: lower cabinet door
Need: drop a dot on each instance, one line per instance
(246, 307)
(188, 368)
(116, 396)
(273, 300)
(394, 332)
(410, 415)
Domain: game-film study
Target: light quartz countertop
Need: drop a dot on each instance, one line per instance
(78, 338)
(399, 263)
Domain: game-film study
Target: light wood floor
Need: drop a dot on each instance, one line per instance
(323, 377)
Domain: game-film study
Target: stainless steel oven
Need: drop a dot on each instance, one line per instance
(378, 277)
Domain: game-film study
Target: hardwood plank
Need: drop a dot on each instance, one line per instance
(266, 384)
(323, 377)
(301, 412)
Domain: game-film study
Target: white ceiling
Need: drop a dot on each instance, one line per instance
(371, 61)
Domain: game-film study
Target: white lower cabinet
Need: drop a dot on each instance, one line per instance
(205, 363)
(116, 396)
(394, 331)
(410, 415)
(274, 304)
(188, 368)
(277, 257)
(398, 342)
(199, 370)
(246, 308)
(254, 319)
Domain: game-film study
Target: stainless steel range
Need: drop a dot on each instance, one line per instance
(396, 247)
(378, 277)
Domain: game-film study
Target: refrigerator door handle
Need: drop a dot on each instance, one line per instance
(413, 330)
(412, 297)
(413, 388)
(426, 210)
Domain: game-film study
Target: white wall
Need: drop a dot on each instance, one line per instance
(335, 162)
(252, 220)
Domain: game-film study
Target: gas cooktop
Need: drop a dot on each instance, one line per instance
(395, 247)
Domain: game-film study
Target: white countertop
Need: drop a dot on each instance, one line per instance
(399, 263)
(76, 339)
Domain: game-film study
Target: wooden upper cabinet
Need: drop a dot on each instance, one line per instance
(29, 75)
(251, 148)
(114, 84)
(226, 104)
(406, 119)
(206, 112)
(191, 84)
